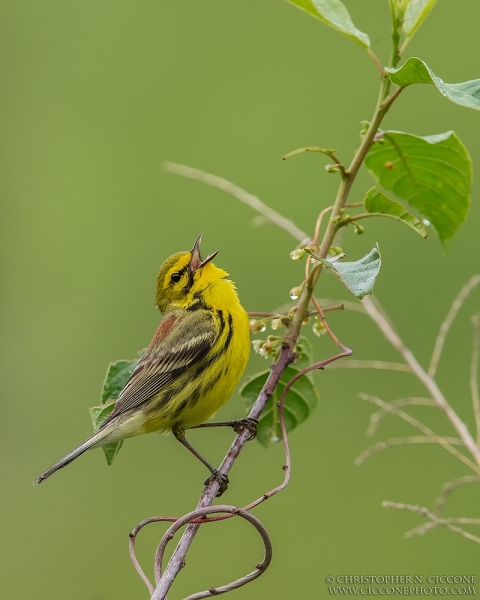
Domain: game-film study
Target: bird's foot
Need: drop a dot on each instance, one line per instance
(221, 479)
(247, 423)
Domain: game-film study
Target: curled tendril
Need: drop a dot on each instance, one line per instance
(199, 516)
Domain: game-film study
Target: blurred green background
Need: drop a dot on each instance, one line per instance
(95, 95)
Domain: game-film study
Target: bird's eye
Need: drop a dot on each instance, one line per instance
(175, 277)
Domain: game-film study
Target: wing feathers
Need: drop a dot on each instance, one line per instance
(179, 343)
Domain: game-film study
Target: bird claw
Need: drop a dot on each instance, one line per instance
(247, 423)
(221, 479)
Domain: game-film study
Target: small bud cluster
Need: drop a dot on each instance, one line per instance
(268, 347)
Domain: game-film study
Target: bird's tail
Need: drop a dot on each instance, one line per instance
(87, 444)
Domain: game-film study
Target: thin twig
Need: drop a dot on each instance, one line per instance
(449, 488)
(316, 235)
(376, 60)
(227, 186)
(133, 538)
(379, 317)
(267, 315)
(377, 417)
(429, 525)
(391, 99)
(474, 373)
(287, 467)
(427, 514)
(373, 364)
(281, 409)
(423, 428)
(346, 350)
(447, 323)
(413, 439)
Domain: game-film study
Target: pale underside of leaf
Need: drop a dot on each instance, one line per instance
(334, 14)
(377, 204)
(414, 70)
(359, 276)
(431, 173)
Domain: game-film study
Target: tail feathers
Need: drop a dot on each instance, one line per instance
(87, 444)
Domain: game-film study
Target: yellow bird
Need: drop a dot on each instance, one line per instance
(192, 365)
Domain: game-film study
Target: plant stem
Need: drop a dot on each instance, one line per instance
(287, 353)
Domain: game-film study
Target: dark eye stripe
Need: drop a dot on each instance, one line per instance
(177, 276)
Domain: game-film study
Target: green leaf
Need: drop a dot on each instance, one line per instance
(358, 276)
(301, 399)
(416, 71)
(380, 206)
(334, 14)
(117, 376)
(98, 415)
(415, 13)
(433, 174)
(118, 373)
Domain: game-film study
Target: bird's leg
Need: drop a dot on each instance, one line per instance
(215, 473)
(237, 426)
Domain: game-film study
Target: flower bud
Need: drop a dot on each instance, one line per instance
(276, 323)
(295, 292)
(358, 229)
(335, 251)
(297, 254)
(257, 326)
(318, 327)
(266, 350)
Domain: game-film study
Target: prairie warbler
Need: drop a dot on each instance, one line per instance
(192, 365)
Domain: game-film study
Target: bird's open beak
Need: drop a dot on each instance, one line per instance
(196, 261)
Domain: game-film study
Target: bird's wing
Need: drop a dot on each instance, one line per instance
(179, 342)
